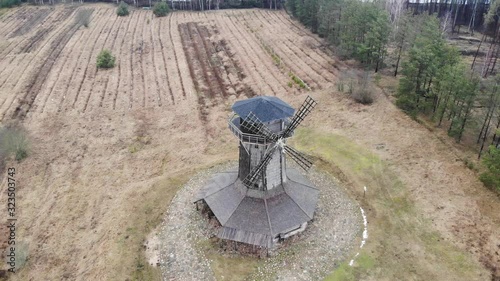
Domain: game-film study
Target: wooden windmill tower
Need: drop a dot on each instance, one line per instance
(263, 201)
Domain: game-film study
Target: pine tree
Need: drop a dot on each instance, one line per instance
(428, 55)
(363, 32)
(491, 177)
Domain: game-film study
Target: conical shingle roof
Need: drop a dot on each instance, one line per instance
(266, 108)
(257, 217)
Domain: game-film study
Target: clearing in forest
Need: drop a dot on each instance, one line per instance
(110, 148)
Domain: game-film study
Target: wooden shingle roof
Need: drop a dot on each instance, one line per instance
(266, 108)
(256, 218)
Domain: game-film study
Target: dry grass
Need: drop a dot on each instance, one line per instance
(3, 11)
(398, 235)
(147, 212)
(13, 143)
(232, 268)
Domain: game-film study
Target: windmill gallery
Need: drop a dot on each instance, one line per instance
(264, 201)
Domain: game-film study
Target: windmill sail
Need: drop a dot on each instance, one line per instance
(254, 176)
(300, 115)
(252, 124)
(298, 157)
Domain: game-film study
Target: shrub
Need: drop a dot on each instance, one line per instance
(122, 10)
(469, 164)
(377, 79)
(297, 80)
(363, 95)
(340, 85)
(276, 59)
(22, 251)
(105, 59)
(407, 103)
(491, 178)
(360, 89)
(13, 142)
(161, 9)
(83, 17)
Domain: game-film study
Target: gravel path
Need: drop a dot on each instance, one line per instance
(325, 243)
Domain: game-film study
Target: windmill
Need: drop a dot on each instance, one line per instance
(263, 201)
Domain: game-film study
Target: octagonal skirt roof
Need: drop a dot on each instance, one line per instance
(266, 108)
(255, 217)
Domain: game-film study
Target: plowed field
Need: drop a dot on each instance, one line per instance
(48, 60)
(109, 148)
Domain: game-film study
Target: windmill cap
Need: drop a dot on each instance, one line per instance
(264, 107)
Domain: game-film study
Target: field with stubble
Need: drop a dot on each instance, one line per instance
(199, 59)
(110, 148)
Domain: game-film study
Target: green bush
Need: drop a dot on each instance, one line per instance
(469, 164)
(407, 104)
(297, 80)
(340, 85)
(13, 142)
(491, 178)
(22, 252)
(161, 9)
(122, 10)
(9, 3)
(105, 59)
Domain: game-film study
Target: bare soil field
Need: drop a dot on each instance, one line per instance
(110, 148)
